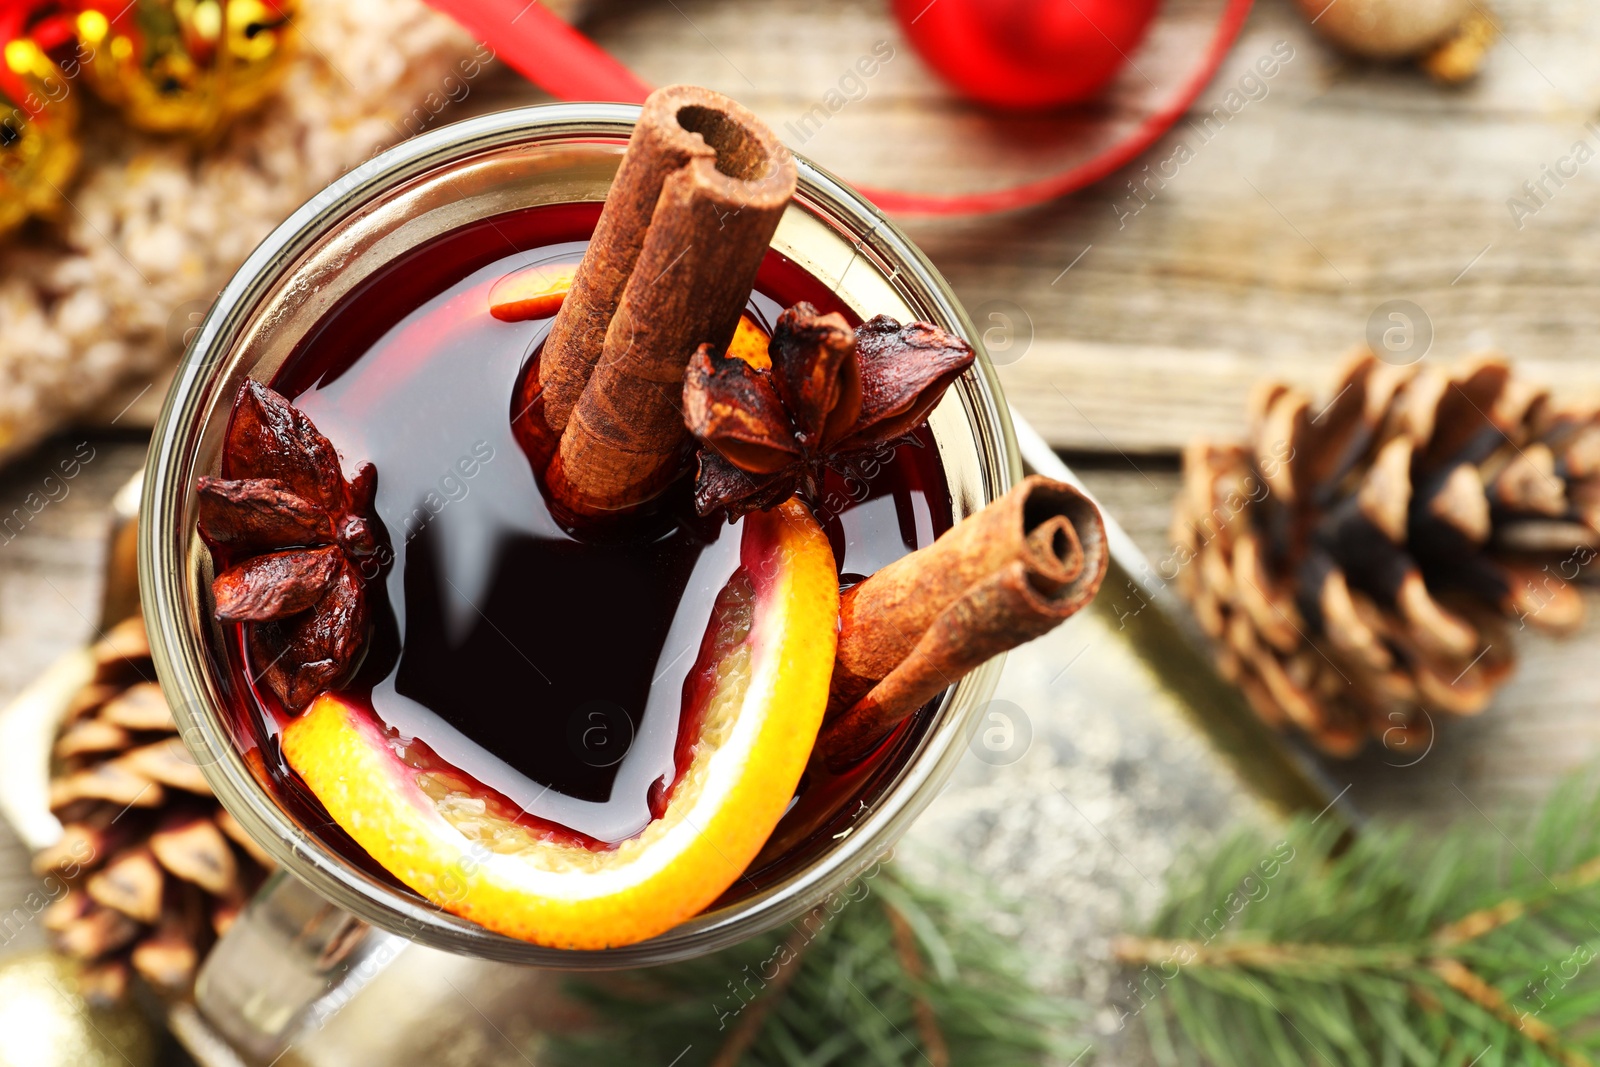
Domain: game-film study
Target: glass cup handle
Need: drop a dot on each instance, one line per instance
(286, 966)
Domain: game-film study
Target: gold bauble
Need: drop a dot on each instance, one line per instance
(38, 133)
(1386, 29)
(186, 66)
(45, 1022)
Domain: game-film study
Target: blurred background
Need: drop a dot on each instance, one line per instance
(1200, 196)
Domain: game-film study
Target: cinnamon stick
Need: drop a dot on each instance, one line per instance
(673, 259)
(996, 580)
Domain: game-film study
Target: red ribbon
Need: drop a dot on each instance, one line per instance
(568, 65)
(546, 51)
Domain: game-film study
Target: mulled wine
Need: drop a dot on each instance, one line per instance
(582, 568)
(558, 668)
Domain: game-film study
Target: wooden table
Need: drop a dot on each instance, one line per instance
(1344, 187)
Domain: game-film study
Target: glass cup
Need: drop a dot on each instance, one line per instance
(399, 199)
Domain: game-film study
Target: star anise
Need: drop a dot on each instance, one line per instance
(301, 541)
(831, 394)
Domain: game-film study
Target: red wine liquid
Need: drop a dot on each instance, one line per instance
(551, 668)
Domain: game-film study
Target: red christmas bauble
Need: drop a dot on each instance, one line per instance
(1026, 53)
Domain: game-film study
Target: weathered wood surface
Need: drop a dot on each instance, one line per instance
(1340, 187)
(1080, 820)
(1345, 186)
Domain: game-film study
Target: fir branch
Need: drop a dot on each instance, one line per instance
(1395, 951)
(887, 974)
(751, 1022)
(1484, 920)
(905, 945)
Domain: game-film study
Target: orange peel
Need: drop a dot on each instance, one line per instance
(770, 655)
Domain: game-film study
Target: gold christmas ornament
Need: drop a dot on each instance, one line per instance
(186, 66)
(1447, 38)
(47, 1021)
(38, 125)
(1461, 55)
(1386, 29)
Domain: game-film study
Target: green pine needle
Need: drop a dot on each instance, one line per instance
(836, 988)
(1464, 949)
(1469, 949)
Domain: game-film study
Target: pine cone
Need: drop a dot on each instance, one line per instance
(1362, 564)
(153, 878)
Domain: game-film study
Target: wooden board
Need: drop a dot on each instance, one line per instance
(1345, 186)
(1125, 325)
(1342, 188)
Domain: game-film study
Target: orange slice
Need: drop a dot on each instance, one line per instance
(531, 293)
(765, 663)
(750, 344)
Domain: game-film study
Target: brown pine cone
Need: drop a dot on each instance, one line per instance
(154, 868)
(1362, 562)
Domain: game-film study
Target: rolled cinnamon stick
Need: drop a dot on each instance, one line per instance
(670, 267)
(996, 580)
